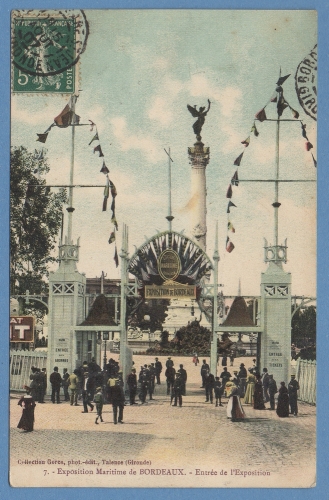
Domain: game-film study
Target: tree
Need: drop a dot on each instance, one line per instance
(303, 326)
(35, 220)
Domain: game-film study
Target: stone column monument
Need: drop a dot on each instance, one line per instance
(199, 159)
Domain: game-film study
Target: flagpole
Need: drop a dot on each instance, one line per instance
(169, 216)
(276, 203)
(70, 208)
(213, 344)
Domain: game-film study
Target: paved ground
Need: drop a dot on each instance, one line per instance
(185, 442)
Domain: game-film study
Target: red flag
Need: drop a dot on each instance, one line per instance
(238, 160)
(99, 150)
(308, 145)
(67, 116)
(229, 245)
(261, 115)
(295, 113)
(229, 192)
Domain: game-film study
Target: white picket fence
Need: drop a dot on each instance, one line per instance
(306, 376)
(20, 367)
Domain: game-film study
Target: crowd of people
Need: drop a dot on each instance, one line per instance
(94, 387)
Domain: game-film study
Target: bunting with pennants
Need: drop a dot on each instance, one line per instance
(109, 188)
(67, 117)
(281, 105)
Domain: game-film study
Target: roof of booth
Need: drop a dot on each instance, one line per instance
(99, 314)
(238, 314)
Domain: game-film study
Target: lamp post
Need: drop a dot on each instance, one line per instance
(106, 336)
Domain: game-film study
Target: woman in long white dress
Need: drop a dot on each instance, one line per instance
(250, 389)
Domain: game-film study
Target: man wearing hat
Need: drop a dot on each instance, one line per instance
(132, 386)
(272, 390)
(158, 369)
(169, 362)
(242, 375)
(177, 390)
(118, 401)
(293, 387)
(99, 400)
(204, 370)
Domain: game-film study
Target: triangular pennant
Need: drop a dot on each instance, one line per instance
(112, 237)
(235, 179)
(230, 204)
(115, 223)
(282, 105)
(238, 160)
(230, 227)
(295, 113)
(308, 145)
(92, 125)
(254, 130)
(261, 115)
(274, 98)
(230, 247)
(107, 187)
(104, 169)
(116, 258)
(113, 205)
(282, 79)
(42, 137)
(303, 125)
(67, 117)
(314, 161)
(95, 138)
(246, 142)
(113, 189)
(229, 192)
(99, 150)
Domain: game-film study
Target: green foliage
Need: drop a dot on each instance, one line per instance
(35, 221)
(188, 340)
(303, 326)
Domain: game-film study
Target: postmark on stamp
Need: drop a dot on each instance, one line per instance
(46, 47)
(306, 83)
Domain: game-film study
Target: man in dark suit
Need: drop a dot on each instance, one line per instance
(132, 386)
(118, 401)
(177, 390)
(265, 380)
(272, 390)
(183, 376)
(293, 387)
(158, 369)
(170, 376)
(204, 369)
(56, 382)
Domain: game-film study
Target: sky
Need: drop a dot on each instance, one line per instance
(139, 71)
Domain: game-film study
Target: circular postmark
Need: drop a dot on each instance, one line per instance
(169, 264)
(47, 43)
(306, 83)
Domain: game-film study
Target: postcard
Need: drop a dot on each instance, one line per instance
(163, 168)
